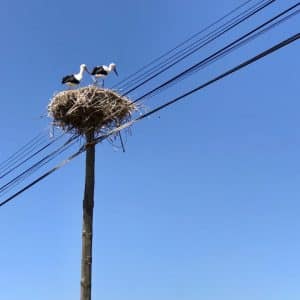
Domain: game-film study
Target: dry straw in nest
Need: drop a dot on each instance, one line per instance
(90, 109)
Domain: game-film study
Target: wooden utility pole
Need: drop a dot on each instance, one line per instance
(87, 226)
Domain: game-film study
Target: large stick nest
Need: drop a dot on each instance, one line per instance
(90, 109)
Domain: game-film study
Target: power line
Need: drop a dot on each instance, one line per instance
(38, 165)
(227, 49)
(201, 42)
(225, 74)
(205, 42)
(142, 69)
(25, 147)
(246, 63)
(19, 163)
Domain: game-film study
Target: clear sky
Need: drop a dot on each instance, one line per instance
(204, 204)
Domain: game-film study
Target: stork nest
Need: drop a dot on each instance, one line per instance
(90, 109)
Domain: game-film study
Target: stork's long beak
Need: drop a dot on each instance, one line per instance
(115, 70)
(87, 70)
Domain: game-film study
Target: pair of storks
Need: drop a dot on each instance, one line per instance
(97, 72)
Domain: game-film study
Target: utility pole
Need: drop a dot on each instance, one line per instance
(85, 111)
(87, 225)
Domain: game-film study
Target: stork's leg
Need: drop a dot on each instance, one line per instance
(103, 83)
(95, 81)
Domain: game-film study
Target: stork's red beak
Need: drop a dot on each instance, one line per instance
(115, 70)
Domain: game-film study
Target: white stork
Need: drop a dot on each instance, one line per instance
(74, 79)
(103, 71)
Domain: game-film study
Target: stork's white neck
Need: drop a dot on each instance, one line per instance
(79, 75)
(111, 67)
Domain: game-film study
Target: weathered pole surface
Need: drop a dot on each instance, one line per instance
(87, 226)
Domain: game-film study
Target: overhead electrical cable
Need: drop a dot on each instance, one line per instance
(227, 49)
(38, 164)
(205, 42)
(153, 62)
(19, 163)
(35, 140)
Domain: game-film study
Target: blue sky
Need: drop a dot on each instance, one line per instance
(203, 204)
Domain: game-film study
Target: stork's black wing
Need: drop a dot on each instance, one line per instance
(70, 79)
(99, 70)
